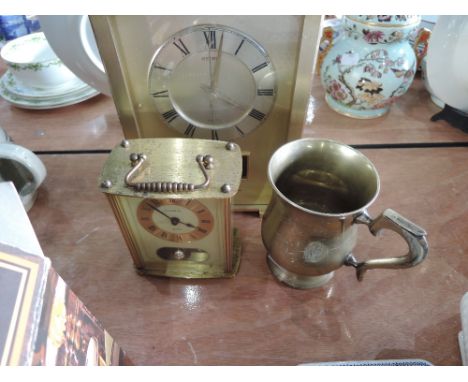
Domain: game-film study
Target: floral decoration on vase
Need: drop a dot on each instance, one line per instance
(371, 66)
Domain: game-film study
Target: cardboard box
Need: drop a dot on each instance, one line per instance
(42, 322)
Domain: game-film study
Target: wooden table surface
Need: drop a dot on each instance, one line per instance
(252, 319)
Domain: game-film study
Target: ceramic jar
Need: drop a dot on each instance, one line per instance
(371, 65)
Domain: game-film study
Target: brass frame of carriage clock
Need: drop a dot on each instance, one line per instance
(133, 104)
(176, 170)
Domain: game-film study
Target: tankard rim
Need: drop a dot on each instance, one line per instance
(301, 143)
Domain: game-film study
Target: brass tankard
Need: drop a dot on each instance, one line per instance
(321, 191)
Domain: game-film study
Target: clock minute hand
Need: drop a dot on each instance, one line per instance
(210, 69)
(215, 77)
(174, 220)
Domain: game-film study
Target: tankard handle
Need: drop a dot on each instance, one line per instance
(414, 235)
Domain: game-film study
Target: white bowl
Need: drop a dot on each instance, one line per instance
(434, 98)
(447, 61)
(33, 62)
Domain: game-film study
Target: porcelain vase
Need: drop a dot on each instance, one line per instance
(370, 66)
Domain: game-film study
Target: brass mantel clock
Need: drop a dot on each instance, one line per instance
(172, 200)
(212, 81)
(245, 79)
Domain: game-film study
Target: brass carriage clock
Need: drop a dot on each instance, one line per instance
(172, 200)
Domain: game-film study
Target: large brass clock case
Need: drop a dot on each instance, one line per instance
(127, 45)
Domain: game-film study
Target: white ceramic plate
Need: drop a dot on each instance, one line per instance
(447, 61)
(79, 95)
(14, 87)
(72, 40)
(383, 362)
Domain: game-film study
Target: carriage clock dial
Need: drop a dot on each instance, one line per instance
(212, 81)
(175, 220)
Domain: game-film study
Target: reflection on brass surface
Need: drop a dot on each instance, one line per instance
(205, 162)
(125, 229)
(317, 190)
(183, 254)
(195, 267)
(172, 158)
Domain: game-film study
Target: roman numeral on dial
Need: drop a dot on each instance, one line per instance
(161, 94)
(190, 130)
(181, 46)
(265, 92)
(170, 115)
(161, 67)
(239, 47)
(210, 38)
(239, 130)
(258, 115)
(259, 67)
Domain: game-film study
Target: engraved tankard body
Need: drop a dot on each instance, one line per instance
(321, 191)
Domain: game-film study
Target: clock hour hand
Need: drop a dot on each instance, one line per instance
(221, 96)
(177, 221)
(186, 224)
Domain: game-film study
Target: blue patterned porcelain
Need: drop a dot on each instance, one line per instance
(371, 65)
(13, 26)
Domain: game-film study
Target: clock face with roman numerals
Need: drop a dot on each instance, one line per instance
(212, 81)
(175, 220)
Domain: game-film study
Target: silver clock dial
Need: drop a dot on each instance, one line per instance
(212, 81)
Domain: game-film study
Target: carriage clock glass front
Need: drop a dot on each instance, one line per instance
(172, 200)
